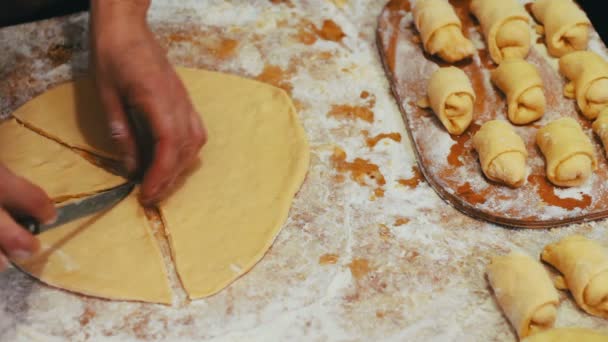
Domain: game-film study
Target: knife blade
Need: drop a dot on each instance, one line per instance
(80, 208)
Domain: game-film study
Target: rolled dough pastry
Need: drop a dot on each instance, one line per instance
(523, 87)
(600, 127)
(502, 153)
(452, 98)
(111, 255)
(81, 125)
(61, 173)
(441, 30)
(588, 75)
(225, 216)
(568, 152)
(584, 265)
(568, 335)
(505, 25)
(566, 25)
(524, 291)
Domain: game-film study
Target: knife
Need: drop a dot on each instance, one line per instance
(80, 208)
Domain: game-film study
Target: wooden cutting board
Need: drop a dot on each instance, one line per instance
(450, 164)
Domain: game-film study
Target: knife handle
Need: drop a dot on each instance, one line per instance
(29, 223)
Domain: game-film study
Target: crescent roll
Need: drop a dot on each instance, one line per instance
(566, 25)
(523, 87)
(568, 152)
(524, 292)
(600, 127)
(451, 97)
(584, 265)
(588, 75)
(441, 30)
(502, 153)
(568, 335)
(505, 25)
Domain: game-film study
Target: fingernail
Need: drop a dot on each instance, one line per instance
(3, 262)
(20, 254)
(130, 163)
(52, 220)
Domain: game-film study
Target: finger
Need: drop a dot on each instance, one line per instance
(3, 262)
(120, 128)
(25, 198)
(15, 241)
(161, 173)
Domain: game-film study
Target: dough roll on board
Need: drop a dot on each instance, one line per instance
(505, 25)
(502, 153)
(566, 25)
(600, 127)
(567, 335)
(441, 30)
(588, 75)
(584, 266)
(524, 292)
(452, 98)
(568, 152)
(523, 87)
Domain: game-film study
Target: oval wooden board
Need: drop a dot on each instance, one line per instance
(450, 163)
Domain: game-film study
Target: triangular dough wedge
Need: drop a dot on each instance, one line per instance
(228, 212)
(72, 114)
(112, 255)
(62, 173)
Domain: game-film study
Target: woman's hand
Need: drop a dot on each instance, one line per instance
(20, 197)
(134, 76)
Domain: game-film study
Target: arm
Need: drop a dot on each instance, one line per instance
(132, 72)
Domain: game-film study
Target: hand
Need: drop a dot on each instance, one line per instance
(133, 74)
(19, 197)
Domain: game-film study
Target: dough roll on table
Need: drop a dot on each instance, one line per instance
(502, 153)
(568, 152)
(566, 25)
(588, 75)
(600, 127)
(441, 30)
(567, 335)
(524, 292)
(584, 266)
(523, 87)
(505, 25)
(452, 98)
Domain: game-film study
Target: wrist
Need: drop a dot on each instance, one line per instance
(117, 16)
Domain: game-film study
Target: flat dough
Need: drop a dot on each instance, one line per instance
(524, 291)
(600, 127)
(524, 89)
(588, 75)
(584, 265)
(112, 255)
(568, 335)
(502, 153)
(452, 98)
(566, 26)
(441, 30)
(229, 211)
(568, 152)
(81, 125)
(505, 25)
(62, 173)
(226, 215)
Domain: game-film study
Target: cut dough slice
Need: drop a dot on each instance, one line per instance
(584, 265)
(524, 89)
(502, 153)
(568, 152)
(568, 335)
(110, 255)
(451, 96)
(588, 75)
(566, 25)
(505, 26)
(71, 113)
(62, 173)
(600, 127)
(524, 292)
(230, 209)
(441, 30)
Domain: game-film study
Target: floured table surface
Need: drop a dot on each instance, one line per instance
(450, 162)
(369, 251)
